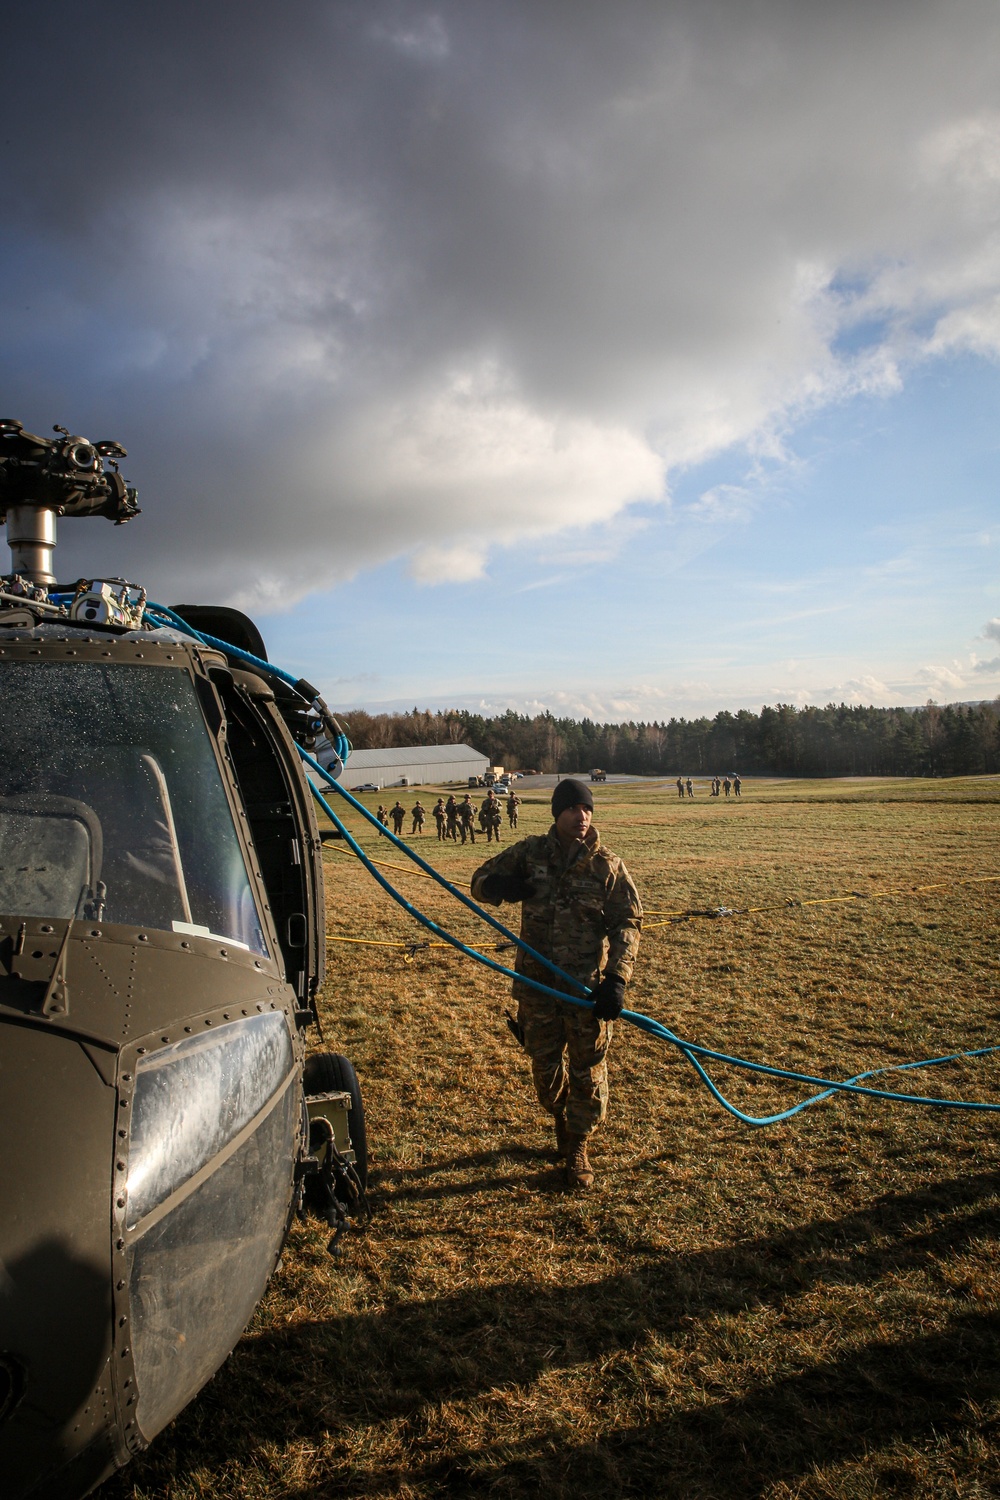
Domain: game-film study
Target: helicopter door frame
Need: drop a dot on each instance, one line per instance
(281, 824)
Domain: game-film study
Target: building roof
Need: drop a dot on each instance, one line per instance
(416, 755)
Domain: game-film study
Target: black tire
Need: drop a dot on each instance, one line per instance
(332, 1073)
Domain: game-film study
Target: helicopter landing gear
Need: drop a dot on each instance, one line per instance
(338, 1144)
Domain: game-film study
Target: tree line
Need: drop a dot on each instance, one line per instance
(838, 740)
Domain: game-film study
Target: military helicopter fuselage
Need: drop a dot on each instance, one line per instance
(161, 947)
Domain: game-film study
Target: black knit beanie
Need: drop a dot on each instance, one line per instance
(570, 793)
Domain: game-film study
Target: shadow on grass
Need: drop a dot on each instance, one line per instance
(875, 1397)
(418, 1184)
(397, 1365)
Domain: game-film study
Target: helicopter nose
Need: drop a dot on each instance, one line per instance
(57, 1122)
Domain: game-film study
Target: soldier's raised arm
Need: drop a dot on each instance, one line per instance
(504, 878)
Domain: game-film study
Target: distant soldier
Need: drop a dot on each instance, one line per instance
(690, 788)
(451, 817)
(397, 814)
(726, 785)
(489, 817)
(440, 817)
(513, 803)
(736, 785)
(418, 818)
(467, 819)
(382, 816)
(680, 788)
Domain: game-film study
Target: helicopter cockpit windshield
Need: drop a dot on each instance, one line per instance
(112, 805)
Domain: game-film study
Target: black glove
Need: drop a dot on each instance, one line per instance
(497, 888)
(609, 998)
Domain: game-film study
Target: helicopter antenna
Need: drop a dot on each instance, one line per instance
(42, 478)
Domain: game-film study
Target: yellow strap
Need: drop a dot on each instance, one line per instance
(387, 864)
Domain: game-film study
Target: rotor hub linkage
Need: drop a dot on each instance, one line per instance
(42, 478)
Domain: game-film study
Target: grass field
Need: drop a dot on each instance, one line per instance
(808, 1310)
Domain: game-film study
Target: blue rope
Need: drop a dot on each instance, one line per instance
(424, 920)
(691, 1050)
(429, 869)
(341, 744)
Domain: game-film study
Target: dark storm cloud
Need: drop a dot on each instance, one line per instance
(345, 276)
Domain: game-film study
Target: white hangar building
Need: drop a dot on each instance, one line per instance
(422, 765)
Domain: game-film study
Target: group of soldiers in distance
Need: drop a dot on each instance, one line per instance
(719, 785)
(455, 820)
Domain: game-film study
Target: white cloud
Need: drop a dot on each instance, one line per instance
(991, 630)
(942, 679)
(468, 276)
(724, 504)
(461, 564)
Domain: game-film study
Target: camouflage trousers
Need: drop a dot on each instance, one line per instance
(568, 1048)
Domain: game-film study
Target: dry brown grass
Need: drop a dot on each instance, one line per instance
(806, 1311)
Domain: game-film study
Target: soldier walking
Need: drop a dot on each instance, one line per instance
(382, 816)
(690, 788)
(439, 817)
(726, 785)
(418, 818)
(451, 818)
(737, 783)
(489, 817)
(581, 910)
(680, 788)
(513, 803)
(397, 814)
(467, 819)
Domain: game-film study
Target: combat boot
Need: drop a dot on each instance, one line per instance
(562, 1136)
(579, 1172)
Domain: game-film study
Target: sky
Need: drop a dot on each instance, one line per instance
(626, 360)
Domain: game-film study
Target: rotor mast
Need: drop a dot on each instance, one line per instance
(42, 478)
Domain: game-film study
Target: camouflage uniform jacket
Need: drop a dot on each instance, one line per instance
(585, 914)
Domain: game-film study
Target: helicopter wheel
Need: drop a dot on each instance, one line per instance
(331, 1073)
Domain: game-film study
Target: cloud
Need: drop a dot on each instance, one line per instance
(942, 679)
(461, 564)
(724, 504)
(423, 281)
(990, 668)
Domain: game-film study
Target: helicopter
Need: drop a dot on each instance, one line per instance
(162, 946)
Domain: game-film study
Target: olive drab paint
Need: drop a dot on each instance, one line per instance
(161, 948)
